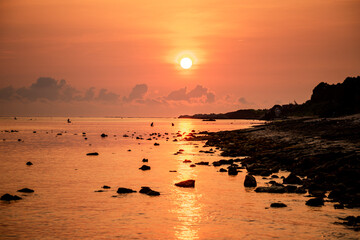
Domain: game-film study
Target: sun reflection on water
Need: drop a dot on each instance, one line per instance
(187, 206)
(188, 211)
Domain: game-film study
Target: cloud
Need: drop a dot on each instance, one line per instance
(243, 100)
(106, 96)
(178, 95)
(210, 97)
(137, 93)
(198, 93)
(49, 89)
(7, 93)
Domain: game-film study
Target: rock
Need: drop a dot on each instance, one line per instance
(278, 205)
(317, 193)
(352, 221)
(272, 189)
(103, 135)
(232, 171)
(99, 191)
(339, 206)
(8, 197)
(125, 190)
(156, 144)
(186, 184)
(290, 188)
(92, 154)
(29, 163)
(145, 167)
(274, 176)
(172, 171)
(202, 163)
(315, 202)
(145, 160)
(149, 191)
(187, 161)
(106, 187)
(292, 179)
(222, 170)
(26, 190)
(223, 162)
(300, 190)
(192, 165)
(250, 181)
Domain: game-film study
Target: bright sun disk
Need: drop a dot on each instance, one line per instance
(186, 63)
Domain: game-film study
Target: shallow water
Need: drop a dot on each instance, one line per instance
(65, 206)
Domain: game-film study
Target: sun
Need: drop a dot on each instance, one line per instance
(186, 63)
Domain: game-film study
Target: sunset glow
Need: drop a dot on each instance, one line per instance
(129, 58)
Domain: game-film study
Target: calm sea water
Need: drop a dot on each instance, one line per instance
(66, 206)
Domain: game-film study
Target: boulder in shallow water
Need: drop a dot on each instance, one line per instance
(149, 191)
(145, 167)
(145, 160)
(9, 197)
(106, 187)
(103, 135)
(250, 181)
(26, 190)
(186, 184)
(222, 170)
(124, 190)
(92, 154)
(315, 202)
(232, 171)
(29, 163)
(278, 205)
(292, 179)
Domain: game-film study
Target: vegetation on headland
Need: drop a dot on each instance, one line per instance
(327, 100)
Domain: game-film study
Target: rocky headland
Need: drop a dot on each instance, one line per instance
(322, 154)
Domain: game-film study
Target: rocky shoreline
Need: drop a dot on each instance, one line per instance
(324, 153)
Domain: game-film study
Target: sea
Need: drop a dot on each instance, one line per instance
(67, 204)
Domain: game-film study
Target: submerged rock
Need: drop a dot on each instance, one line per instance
(222, 170)
(272, 189)
(124, 190)
(145, 167)
(92, 154)
(29, 163)
(278, 205)
(9, 197)
(103, 135)
(315, 202)
(106, 187)
(26, 190)
(202, 163)
(186, 184)
(149, 191)
(250, 181)
(145, 160)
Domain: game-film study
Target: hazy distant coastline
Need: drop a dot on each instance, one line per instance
(327, 100)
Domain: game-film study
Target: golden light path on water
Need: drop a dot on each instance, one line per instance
(188, 209)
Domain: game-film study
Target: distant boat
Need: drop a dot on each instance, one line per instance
(209, 120)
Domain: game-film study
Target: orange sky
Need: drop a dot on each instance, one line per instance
(247, 54)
